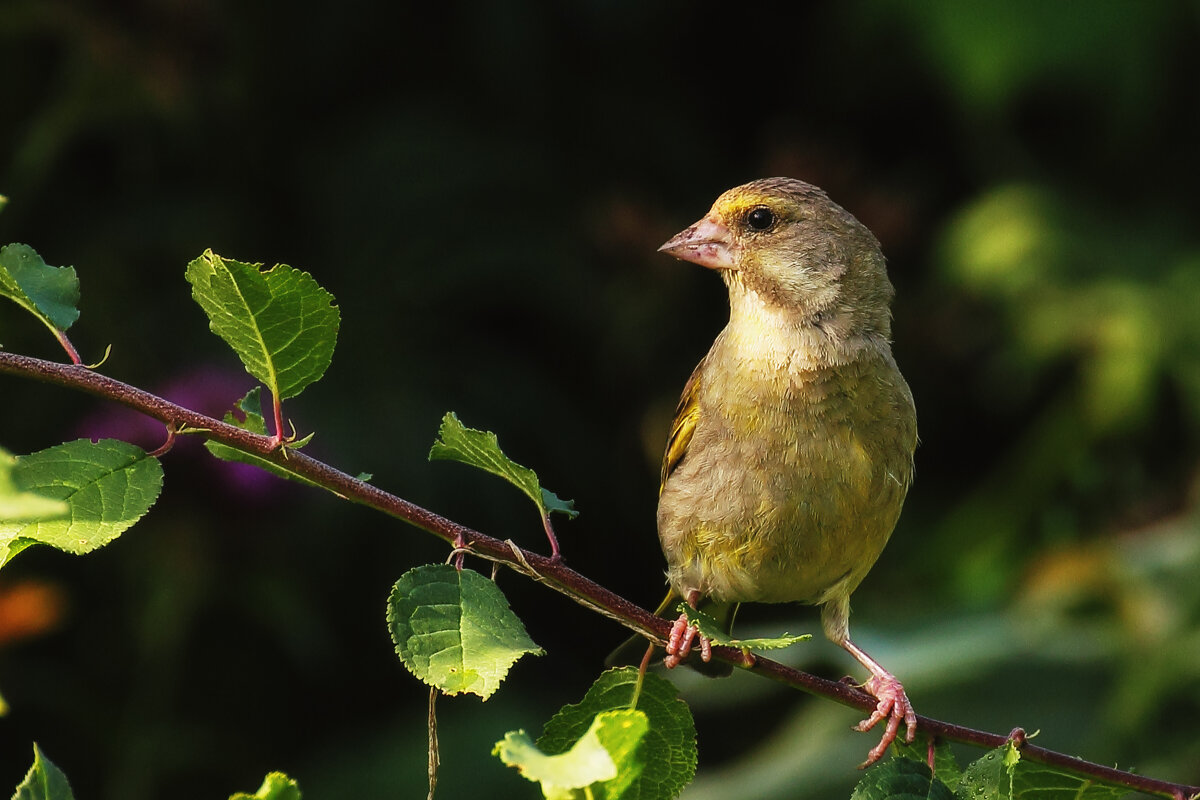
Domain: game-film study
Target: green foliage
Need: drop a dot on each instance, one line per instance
(107, 485)
(481, 449)
(276, 786)
(250, 407)
(605, 755)
(454, 630)
(1002, 774)
(44, 781)
(945, 765)
(667, 753)
(49, 293)
(712, 630)
(21, 506)
(280, 322)
(999, 774)
(901, 779)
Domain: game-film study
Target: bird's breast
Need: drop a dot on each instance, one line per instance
(794, 476)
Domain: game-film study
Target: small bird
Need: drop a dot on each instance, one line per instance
(792, 447)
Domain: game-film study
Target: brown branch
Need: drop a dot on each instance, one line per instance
(553, 573)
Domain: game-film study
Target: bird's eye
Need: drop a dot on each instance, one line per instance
(760, 218)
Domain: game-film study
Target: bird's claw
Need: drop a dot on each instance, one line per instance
(679, 643)
(894, 706)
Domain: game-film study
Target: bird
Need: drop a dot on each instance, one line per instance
(791, 450)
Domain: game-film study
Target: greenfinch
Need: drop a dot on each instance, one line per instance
(792, 447)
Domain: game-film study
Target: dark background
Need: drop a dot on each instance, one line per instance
(482, 187)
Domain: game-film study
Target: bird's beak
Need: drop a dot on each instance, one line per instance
(708, 243)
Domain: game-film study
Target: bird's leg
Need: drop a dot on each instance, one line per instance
(894, 705)
(683, 633)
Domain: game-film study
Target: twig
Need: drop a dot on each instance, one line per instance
(551, 572)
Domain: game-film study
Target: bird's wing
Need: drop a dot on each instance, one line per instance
(683, 426)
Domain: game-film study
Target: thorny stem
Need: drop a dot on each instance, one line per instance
(543, 569)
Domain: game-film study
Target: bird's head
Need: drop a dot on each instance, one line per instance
(787, 243)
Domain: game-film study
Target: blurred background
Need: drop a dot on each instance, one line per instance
(482, 186)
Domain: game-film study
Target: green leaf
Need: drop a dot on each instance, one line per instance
(667, 752)
(901, 779)
(107, 485)
(945, 765)
(1002, 774)
(49, 293)
(44, 781)
(453, 629)
(276, 786)
(602, 755)
(712, 630)
(280, 322)
(19, 506)
(481, 449)
(250, 407)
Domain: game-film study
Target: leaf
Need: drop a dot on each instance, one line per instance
(481, 449)
(49, 293)
(19, 506)
(276, 786)
(108, 486)
(453, 629)
(945, 765)
(901, 779)
(280, 322)
(250, 407)
(667, 752)
(44, 781)
(711, 629)
(602, 754)
(1002, 774)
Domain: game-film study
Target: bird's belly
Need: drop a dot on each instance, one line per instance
(797, 525)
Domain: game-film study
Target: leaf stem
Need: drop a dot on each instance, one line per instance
(277, 404)
(553, 573)
(72, 353)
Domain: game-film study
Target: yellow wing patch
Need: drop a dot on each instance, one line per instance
(682, 427)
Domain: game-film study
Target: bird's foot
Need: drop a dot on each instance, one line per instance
(679, 643)
(895, 707)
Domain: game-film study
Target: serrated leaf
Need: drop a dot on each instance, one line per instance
(250, 407)
(44, 781)
(49, 293)
(107, 485)
(453, 629)
(666, 753)
(481, 449)
(900, 779)
(1002, 774)
(276, 786)
(712, 630)
(19, 506)
(280, 322)
(601, 755)
(945, 764)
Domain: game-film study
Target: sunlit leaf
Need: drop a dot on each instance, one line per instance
(667, 752)
(276, 786)
(49, 293)
(481, 449)
(107, 485)
(280, 322)
(44, 781)
(604, 754)
(453, 629)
